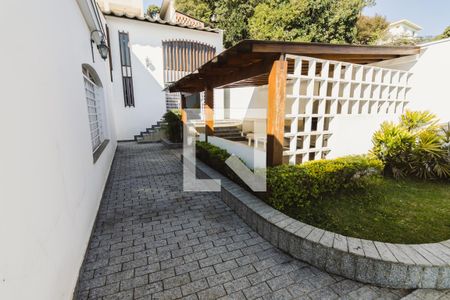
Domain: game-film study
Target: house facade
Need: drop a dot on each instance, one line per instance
(403, 29)
(69, 101)
(148, 54)
(66, 103)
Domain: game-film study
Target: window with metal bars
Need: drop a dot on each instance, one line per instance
(127, 75)
(183, 57)
(95, 108)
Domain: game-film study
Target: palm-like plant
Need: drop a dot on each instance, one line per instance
(417, 146)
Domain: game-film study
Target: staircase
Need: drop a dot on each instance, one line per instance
(151, 135)
(232, 133)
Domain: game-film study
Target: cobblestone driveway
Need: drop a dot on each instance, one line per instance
(153, 241)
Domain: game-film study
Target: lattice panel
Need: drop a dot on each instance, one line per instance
(319, 90)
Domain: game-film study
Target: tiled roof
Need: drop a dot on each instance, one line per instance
(158, 21)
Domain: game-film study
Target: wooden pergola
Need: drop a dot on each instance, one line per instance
(252, 63)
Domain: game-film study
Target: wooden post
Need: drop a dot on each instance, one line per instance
(183, 118)
(183, 109)
(209, 112)
(276, 113)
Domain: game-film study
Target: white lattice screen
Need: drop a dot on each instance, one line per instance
(319, 90)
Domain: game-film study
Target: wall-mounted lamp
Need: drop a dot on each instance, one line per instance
(101, 45)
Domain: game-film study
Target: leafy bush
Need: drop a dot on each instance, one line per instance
(299, 186)
(174, 126)
(215, 157)
(415, 147)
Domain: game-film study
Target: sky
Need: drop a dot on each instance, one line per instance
(149, 2)
(432, 15)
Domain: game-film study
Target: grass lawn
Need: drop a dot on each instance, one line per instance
(402, 211)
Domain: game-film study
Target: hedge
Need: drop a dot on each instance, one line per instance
(299, 185)
(215, 157)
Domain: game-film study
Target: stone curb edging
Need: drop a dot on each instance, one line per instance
(170, 144)
(382, 264)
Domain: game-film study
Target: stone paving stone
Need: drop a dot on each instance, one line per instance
(261, 276)
(256, 291)
(212, 293)
(225, 266)
(176, 281)
(147, 269)
(324, 293)
(125, 295)
(236, 285)
(148, 289)
(234, 296)
(219, 278)
(154, 241)
(174, 293)
(282, 294)
(303, 287)
(194, 287)
(210, 261)
(127, 284)
(346, 286)
(202, 273)
(280, 282)
(106, 290)
(185, 268)
(243, 271)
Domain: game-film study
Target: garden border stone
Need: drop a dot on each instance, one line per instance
(382, 264)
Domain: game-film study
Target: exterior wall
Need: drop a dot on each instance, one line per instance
(249, 98)
(353, 134)
(429, 80)
(50, 189)
(147, 66)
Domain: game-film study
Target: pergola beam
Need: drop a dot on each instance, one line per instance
(330, 49)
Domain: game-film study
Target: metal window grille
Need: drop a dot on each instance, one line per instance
(127, 75)
(94, 112)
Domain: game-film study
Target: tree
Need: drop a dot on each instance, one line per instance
(292, 20)
(445, 34)
(330, 21)
(199, 9)
(231, 15)
(152, 11)
(369, 30)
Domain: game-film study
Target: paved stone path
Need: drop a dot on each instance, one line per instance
(154, 241)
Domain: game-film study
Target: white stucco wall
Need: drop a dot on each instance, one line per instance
(50, 189)
(352, 134)
(430, 80)
(147, 67)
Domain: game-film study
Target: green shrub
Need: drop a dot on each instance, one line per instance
(215, 157)
(415, 147)
(174, 126)
(299, 186)
(212, 155)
